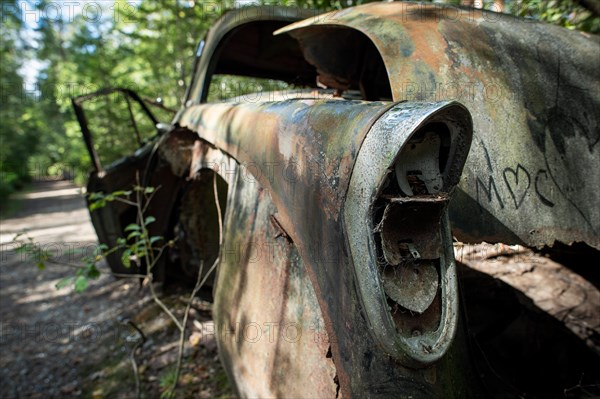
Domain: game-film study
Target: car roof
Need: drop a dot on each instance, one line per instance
(246, 29)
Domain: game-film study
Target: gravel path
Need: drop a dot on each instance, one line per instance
(56, 343)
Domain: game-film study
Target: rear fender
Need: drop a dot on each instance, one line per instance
(326, 168)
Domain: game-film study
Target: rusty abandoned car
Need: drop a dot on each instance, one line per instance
(393, 128)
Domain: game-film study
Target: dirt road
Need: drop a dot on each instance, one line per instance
(533, 319)
(56, 343)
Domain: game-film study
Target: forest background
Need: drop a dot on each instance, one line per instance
(51, 51)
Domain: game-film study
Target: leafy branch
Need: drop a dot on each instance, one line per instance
(137, 246)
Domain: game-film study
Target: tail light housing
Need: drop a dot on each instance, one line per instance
(396, 217)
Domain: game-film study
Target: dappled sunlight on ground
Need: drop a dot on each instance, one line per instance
(55, 343)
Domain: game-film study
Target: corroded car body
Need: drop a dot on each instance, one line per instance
(335, 271)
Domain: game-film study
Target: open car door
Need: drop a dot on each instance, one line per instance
(120, 133)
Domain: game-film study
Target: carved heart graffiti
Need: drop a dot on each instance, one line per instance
(518, 182)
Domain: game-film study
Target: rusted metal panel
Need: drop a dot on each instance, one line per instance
(279, 346)
(270, 329)
(533, 90)
(290, 143)
(301, 154)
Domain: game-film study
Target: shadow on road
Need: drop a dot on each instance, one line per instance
(55, 343)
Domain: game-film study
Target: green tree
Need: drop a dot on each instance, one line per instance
(147, 46)
(17, 128)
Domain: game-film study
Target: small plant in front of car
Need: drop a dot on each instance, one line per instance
(138, 247)
(42, 256)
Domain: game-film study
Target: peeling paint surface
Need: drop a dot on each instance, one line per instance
(535, 103)
(289, 169)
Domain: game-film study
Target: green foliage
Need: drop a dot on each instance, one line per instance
(39, 133)
(147, 46)
(119, 126)
(17, 130)
(225, 87)
(567, 13)
(136, 246)
(9, 181)
(33, 252)
(84, 272)
(99, 200)
(167, 382)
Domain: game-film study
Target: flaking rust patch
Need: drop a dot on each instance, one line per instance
(413, 285)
